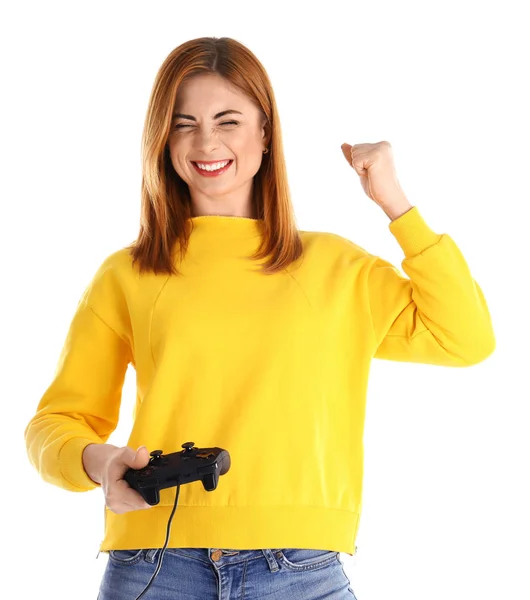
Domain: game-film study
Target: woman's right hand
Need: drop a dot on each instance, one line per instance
(107, 464)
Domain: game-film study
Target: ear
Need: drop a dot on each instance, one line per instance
(266, 132)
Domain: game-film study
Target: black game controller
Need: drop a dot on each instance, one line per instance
(190, 464)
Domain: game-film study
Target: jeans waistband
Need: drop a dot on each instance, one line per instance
(220, 556)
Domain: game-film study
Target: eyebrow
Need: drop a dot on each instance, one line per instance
(217, 116)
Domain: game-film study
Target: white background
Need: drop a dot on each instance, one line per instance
(445, 502)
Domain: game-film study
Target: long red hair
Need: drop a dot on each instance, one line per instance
(165, 197)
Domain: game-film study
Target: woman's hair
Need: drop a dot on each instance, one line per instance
(165, 197)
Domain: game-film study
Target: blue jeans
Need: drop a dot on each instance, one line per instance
(224, 574)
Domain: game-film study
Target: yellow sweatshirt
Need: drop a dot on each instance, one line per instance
(272, 368)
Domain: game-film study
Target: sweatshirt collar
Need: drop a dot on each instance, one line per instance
(227, 227)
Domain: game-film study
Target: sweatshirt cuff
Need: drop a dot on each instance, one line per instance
(71, 464)
(412, 232)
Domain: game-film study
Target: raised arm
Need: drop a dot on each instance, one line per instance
(438, 315)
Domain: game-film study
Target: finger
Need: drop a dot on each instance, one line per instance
(141, 505)
(142, 456)
(137, 459)
(129, 495)
(126, 503)
(116, 473)
(355, 156)
(359, 169)
(346, 152)
(130, 499)
(122, 508)
(126, 457)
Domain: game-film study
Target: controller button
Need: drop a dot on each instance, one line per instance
(205, 455)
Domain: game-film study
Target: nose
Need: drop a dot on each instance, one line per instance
(206, 139)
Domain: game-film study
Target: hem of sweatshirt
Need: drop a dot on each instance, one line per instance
(71, 464)
(413, 233)
(236, 527)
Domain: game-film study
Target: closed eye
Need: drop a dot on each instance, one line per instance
(224, 123)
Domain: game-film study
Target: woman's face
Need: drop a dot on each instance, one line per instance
(198, 134)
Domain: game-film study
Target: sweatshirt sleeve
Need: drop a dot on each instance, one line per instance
(81, 405)
(438, 315)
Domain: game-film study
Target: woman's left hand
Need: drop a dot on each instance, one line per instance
(374, 163)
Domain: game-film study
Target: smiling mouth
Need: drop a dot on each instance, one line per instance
(221, 169)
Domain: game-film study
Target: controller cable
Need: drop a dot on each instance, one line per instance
(161, 555)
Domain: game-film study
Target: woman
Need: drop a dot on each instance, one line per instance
(248, 335)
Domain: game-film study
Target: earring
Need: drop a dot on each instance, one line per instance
(265, 151)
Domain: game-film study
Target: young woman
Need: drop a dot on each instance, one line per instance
(246, 334)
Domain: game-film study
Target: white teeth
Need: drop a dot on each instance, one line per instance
(213, 167)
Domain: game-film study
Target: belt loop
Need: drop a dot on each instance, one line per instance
(150, 555)
(271, 559)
